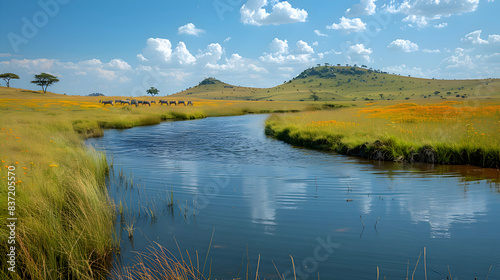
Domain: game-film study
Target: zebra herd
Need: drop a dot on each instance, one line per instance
(141, 102)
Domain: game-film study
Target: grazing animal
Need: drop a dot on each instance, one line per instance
(163, 102)
(190, 103)
(140, 101)
(110, 102)
(173, 102)
(146, 102)
(182, 102)
(153, 102)
(122, 102)
(134, 102)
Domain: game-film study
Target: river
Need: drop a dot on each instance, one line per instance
(340, 217)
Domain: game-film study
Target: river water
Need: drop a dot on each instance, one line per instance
(339, 217)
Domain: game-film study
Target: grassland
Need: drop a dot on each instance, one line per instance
(340, 83)
(444, 132)
(65, 217)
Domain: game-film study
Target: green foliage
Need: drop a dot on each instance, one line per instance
(152, 91)
(45, 80)
(8, 76)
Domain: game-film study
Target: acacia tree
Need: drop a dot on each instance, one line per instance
(45, 80)
(152, 91)
(8, 76)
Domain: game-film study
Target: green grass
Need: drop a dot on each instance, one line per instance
(340, 83)
(441, 133)
(65, 217)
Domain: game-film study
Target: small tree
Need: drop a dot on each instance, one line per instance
(152, 91)
(8, 76)
(381, 95)
(45, 80)
(314, 96)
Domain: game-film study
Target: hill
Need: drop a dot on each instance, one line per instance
(346, 83)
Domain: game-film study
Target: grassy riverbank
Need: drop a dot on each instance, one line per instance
(449, 132)
(65, 219)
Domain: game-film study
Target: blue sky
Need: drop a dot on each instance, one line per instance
(125, 47)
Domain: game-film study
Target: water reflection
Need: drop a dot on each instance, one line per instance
(275, 198)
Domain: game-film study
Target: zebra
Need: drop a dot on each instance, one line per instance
(106, 102)
(122, 102)
(173, 102)
(163, 102)
(190, 103)
(182, 102)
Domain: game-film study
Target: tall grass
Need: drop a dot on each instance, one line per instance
(66, 219)
(435, 133)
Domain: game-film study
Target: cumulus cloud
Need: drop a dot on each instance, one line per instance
(254, 12)
(403, 45)
(118, 64)
(183, 55)
(365, 7)
(303, 48)
(158, 49)
(348, 25)
(190, 29)
(279, 46)
(280, 53)
(358, 53)
(421, 12)
(211, 54)
(475, 38)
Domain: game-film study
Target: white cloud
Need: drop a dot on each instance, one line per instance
(348, 25)
(119, 64)
(212, 54)
(459, 60)
(365, 7)
(227, 39)
(183, 55)
(475, 38)
(141, 57)
(158, 49)
(441, 25)
(420, 21)
(190, 29)
(254, 12)
(421, 12)
(301, 54)
(358, 53)
(279, 46)
(303, 48)
(315, 43)
(403, 45)
(255, 68)
(431, 51)
(317, 32)
(234, 62)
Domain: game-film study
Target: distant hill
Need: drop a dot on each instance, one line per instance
(343, 83)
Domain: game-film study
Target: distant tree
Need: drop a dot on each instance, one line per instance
(381, 95)
(152, 91)
(437, 92)
(449, 93)
(338, 64)
(364, 66)
(328, 64)
(314, 96)
(45, 80)
(8, 76)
